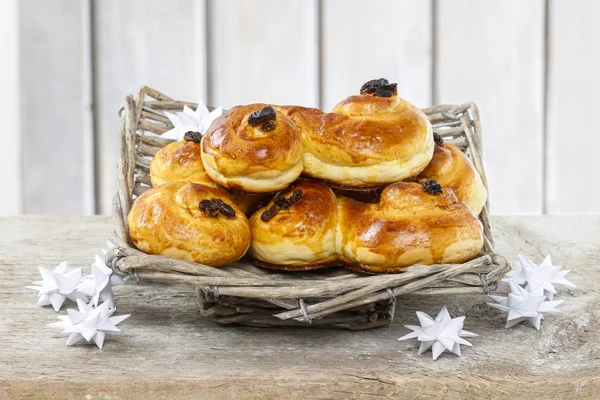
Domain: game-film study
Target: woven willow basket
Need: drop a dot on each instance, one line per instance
(241, 293)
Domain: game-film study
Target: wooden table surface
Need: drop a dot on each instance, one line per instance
(166, 350)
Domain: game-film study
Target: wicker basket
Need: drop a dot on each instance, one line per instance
(243, 294)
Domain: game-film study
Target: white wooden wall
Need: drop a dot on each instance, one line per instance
(530, 65)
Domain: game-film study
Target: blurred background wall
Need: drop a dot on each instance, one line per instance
(531, 65)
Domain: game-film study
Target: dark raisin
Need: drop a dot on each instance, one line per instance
(371, 86)
(268, 126)
(213, 206)
(225, 208)
(192, 136)
(432, 187)
(387, 90)
(261, 116)
(209, 207)
(269, 214)
(438, 139)
(294, 198)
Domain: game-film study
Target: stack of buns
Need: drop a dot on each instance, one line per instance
(303, 166)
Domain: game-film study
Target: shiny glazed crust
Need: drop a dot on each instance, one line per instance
(365, 141)
(181, 161)
(452, 169)
(249, 158)
(178, 161)
(405, 227)
(168, 221)
(302, 235)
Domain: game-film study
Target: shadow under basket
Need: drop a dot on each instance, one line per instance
(241, 293)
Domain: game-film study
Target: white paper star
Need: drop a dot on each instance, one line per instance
(189, 120)
(440, 334)
(533, 276)
(99, 284)
(89, 324)
(523, 305)
(58, 285)
(109, 252)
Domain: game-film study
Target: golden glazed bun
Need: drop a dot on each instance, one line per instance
(253, 148)
(412, 223)
(296, 230)
(452, 169)
(178, 161)
(189, 221)
(181, 161)
(369, 139)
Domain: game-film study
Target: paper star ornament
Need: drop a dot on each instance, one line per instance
(523, 305)
(190, 120)
(58, 285)
(533, 276)
(88, 323)
(439, 334)
(99, 284)
(109, 252)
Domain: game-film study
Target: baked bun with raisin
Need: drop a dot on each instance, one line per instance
(181, 161)
(452, 169)
(413, 223)
(189, 221)
(253, 148)
(369, 139)
(296, 230)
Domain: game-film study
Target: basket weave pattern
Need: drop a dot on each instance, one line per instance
(241, 293)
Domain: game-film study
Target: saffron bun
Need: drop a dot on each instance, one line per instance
(369, 139)
(178, 161)
(296, 230)
(408, 226)
(181, 161)
(253, 148)
(189, 221)
(412, 223)
(452, 169)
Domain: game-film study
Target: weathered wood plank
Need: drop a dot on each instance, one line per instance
(263, 51)
(56, 126)
(493, 54)
(166, 350)
(365, 40)
(156, 43)
(10, 151)
(573, 64)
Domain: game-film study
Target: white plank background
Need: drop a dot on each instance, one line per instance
(496, 59)
(532, 76)
(11, 197)
(263, 51)
(364, 40)
(573, 86)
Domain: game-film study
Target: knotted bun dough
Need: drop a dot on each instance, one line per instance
(189, 221)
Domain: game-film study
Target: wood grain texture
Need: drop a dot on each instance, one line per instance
(495, 58)
(165, 350)
(573, 80)
(56, 134)
(364, 40)
(263, 51)
(10, 151)
(139, 42)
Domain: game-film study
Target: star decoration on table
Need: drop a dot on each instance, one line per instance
(98, 285)
(524, 305)
(109, 252)
(533, 276)
(88, 323)
(190, 120)
(439, 334)
(58, 285)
